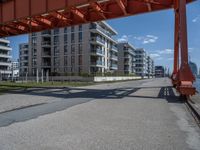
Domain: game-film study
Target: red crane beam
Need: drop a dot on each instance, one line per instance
(42, 12)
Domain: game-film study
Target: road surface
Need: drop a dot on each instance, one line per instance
(133, 115)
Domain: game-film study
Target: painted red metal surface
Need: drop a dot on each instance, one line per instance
(27, 16)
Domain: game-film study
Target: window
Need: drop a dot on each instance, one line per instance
(56, 61)
(65, 60)
(72, 29)
(80, 49)
(56, 31)
(65, 50)
(72, 49)
(56, 51)
(80, 60)
(65, 38)
(34, 40)
(72, 38)
(80, 37)
(80, 27)
(65, 30)
(56, 40)
(72, 60)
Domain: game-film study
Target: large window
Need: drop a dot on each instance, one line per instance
(80, 37)
(65, 50)
(80, 49)
(72, 49)
(65, 38)
(72, 38)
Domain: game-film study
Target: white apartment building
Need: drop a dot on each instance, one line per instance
(126, 56)
(5, 59)
(14, 69)
(88, 48)
(151, 67)
(23, 59)
(141, 62)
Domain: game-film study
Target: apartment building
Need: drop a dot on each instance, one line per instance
(150, 67)
(23, 59)
(141, 62)
(15, 69)
(88, 48)
(159, 71)
(5, 59)
(126, 56)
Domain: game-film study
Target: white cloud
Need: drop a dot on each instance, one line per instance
(196, 19)
(154, 55)
(166, 51)
(147, 39)
(124, 38)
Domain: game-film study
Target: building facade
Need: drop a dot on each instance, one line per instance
(23, 59)
(141, 62)
(5, 59)
(150, 67)
(88, 48)
(159, 71)
(126, 58)
(14, 69)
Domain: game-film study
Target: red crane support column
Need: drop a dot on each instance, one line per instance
(176, 44)
(185, 76)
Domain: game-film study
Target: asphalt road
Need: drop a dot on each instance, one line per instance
(133, 115)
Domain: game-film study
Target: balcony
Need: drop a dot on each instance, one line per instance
(127, 63)
(97, 40)
(98, 63)
(46, 33)
(46, 64)
(7, 48)
(114, 57)
(97, 52)
(5, 55)
(114, 66)
(46, 54)
(5, 71)
(100, 29)
(46, 44)
(5, 63)
(114, 48)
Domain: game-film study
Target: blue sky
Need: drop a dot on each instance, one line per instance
(153, 31)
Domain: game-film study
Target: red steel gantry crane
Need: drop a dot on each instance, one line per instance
(27, 16)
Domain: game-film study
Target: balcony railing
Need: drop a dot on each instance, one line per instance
(114, 66)
(46, 43)
(98, 27)
(97, 39)
(114, 48)
(100, 63)
(114, 57)
(46, 64)
(98, 51)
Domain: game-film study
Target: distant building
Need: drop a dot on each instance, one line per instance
(23, 59)
(194, 68)
(14, 69)
(141, 62)
(14, 65)
(159, 71)
(150, 67)
(126, 58)
(5, 59)
(88, 48)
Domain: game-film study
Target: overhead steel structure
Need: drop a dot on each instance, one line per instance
(27, 16)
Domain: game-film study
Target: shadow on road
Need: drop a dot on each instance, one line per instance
(74, 96)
